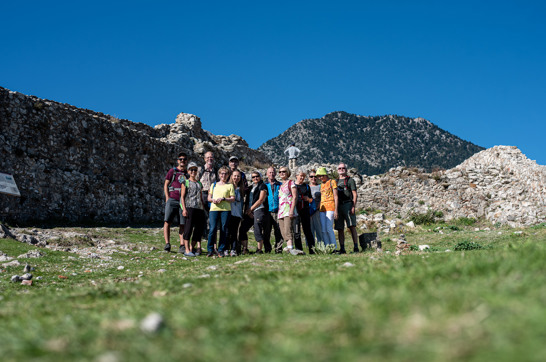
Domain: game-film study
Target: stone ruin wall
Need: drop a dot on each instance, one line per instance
(499, 184)
(77, 165)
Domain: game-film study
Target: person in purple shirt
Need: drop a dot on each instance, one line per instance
(173, 183)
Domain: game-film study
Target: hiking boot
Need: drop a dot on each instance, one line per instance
(226, 253)
(197, 252)
(245, 251)
(259, 251)
(189, 254)
(210, 254)
(167, 247)
(233, 253)
(341, 251)
(182, 249)
(355, 250)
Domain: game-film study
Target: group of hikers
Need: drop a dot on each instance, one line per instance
(206, 200)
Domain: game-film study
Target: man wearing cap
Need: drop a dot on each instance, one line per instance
(234, 165)
(171, 187)
(293, 153)
(347, 196)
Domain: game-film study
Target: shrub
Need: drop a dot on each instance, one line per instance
(321, 248)
(468, 245)
(426, 219)
(465, 221)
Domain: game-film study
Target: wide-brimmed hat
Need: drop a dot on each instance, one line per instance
(192, 165)
(322, 172)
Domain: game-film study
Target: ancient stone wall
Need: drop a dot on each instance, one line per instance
(73, 164)
(499, 184)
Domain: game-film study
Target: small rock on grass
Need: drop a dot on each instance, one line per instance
(348, 265)
(12, 263)
(16, 279)
(296, 252)
(27, 276)
(152, 323)
(187, 285)
(31, 254)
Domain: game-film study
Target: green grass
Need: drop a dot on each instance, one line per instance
(471, 305)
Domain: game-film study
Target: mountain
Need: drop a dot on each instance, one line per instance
(372, 145)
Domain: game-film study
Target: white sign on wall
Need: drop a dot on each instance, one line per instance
(8, 185)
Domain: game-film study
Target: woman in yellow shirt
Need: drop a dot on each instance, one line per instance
(221, 195)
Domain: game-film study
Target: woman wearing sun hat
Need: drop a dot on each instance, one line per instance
(328, 206)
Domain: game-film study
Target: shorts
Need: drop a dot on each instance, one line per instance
(172, 210)
(344, 216)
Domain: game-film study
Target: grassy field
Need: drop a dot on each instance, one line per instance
(487, 304)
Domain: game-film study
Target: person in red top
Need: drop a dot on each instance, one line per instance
(173, 183)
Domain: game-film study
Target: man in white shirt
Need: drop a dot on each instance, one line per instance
(293, 153)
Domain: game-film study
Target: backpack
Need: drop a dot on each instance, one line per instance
(175, 172)
(301, 204)
(346, 197)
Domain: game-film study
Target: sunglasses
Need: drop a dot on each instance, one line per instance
(282, 171)
(313, 176)
(342, 168)
(192, 170)
(182, 159)
(255, 177)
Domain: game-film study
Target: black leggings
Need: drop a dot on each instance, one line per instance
(196, 222)
(233, 232)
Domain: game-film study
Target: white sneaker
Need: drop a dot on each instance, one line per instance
(226, 253)
(233, 253)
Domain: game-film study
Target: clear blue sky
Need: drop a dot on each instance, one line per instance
(474, 68)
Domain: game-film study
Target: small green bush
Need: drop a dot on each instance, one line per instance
(468, 245)
(468, 221)
(426, 219)
(321, 248)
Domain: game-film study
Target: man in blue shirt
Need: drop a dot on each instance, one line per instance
(271, 221)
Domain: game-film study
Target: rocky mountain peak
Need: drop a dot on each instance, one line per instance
(371, 144)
